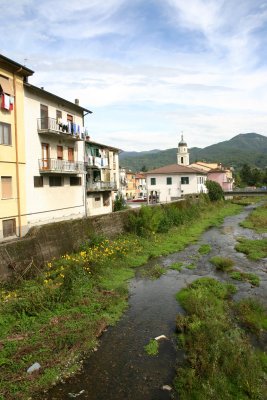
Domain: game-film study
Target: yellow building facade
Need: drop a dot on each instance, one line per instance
(12, 149)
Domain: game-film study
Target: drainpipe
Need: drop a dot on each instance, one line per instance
(85, 175)
(17, 161)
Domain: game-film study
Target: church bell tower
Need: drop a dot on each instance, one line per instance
(182, 154)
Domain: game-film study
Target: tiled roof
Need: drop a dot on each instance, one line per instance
(175, 169)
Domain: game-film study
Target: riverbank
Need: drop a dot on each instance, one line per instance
(55, 320)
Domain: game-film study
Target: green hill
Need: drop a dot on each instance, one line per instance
(250, 148)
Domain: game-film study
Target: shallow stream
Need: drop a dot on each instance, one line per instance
(120, 369)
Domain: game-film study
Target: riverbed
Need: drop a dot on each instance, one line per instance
(120, 369)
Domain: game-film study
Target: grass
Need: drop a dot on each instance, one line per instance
(222, 263)
(246, 201)
(152, 348)
(252, 315)
(178, 266)
(56, 318)
(191, 266)
(253, 279)
(257, 220)
(254, 249)
(204, 249)
(220, 363)
(154, 272)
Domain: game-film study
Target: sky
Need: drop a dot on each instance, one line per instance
(148, 69)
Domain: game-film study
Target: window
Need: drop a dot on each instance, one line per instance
(6, 187)
(60, 152)
(38, 181)
(5, 134)
(182, 160)
(58, 114)
(9, 227)
(44, 116)
(169, 181)
(152, 181)
(45, 156)
(55, 181)
(184, 180)
(69, 118)
(75, 181)
(97, 202)
(71, 154)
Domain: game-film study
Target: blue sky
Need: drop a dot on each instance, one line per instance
(148, 69)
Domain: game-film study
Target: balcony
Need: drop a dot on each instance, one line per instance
(100, 186)
(48, 165)
(51, 126)
(97, 162)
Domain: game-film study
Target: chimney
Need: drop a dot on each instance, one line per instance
(77, 102)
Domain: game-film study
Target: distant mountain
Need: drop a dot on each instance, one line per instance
(250, 148)
(127, 154)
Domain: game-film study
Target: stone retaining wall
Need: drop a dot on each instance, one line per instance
(44, 242)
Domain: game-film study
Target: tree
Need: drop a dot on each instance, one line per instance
(245, 174)
(119, 203)
(215, 191)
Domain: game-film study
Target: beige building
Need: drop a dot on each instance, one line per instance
(55, 168)
(13, 220)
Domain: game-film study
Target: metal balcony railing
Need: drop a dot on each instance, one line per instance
(101, 185)
(60, 166)
(52, 125)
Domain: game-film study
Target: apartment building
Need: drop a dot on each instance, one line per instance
(102, 177)
(55, 171)
(13, 220)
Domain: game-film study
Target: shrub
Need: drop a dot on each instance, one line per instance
(215, 191)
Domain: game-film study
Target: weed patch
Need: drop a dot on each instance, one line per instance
(178, 266)
(220, 362)
(152, 348)
(251, 314)
(222, 263)
(257, 220)
(254, 249)
(204, 249)
(154, 272)
(253, 279)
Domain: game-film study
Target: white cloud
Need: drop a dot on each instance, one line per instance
(200, 66)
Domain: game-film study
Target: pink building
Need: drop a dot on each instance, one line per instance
(221, 176)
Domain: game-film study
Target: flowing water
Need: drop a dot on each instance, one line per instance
(120, 369)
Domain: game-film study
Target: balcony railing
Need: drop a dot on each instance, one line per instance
(53, 126)
(98, 162)
(99, 186)
(60, 166)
